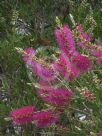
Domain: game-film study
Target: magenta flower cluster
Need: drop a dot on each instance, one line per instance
(23, 115)
(55, 97)
(66, 43)
(69, 65)
(29, 114)
(85, 42)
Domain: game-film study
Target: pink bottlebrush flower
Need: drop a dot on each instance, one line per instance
(82, 63)
(85, 43)
(60, 65)
(65, 68)
(68, 37)
(82, 34)
(44, 73)
(45, 118)
(37, 68)
(56, 97)
(65, 40)
(23, 115)
(89, 96)
(84, 38)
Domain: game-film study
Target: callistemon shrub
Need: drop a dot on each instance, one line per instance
(69, 86)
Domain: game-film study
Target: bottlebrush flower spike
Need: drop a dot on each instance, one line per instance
(46, 74)
(45, 118)
(56, 97)
(65, 41)
(65, 68)
(85, 43)
(82, 34)
(82, 63)
(67, 45)
(83, 39)
(36, 65)
(23, 115)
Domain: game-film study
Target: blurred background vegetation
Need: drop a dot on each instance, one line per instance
(31, 23)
